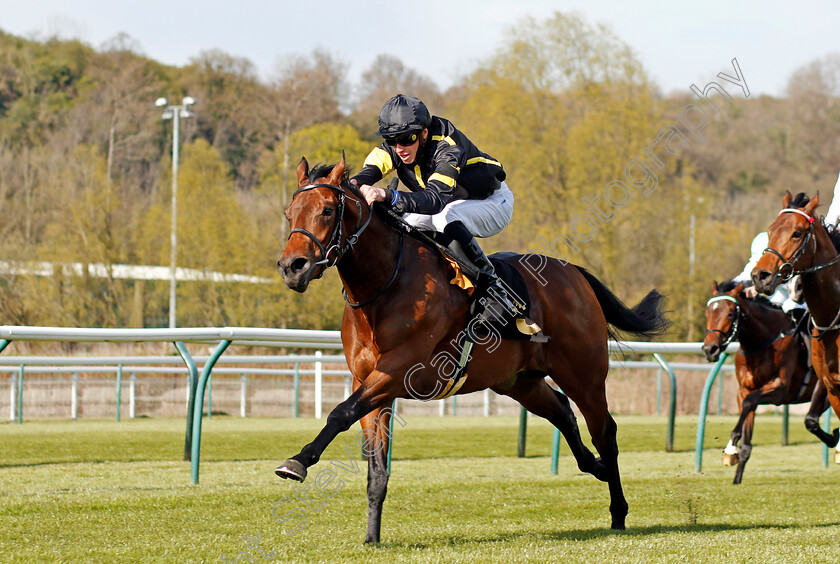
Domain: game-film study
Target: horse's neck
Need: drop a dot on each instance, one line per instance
(760, 324)
(821, 288)
(369, 265)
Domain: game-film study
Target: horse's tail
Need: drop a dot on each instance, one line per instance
(645, 319)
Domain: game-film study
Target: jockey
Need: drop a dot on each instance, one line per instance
(455, 189)
(833, 214)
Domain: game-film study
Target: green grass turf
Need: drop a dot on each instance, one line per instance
(100, 491)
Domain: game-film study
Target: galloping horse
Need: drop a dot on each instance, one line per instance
(771, 367)
(403, 315)
(800, 244)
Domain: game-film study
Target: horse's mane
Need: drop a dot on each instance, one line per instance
(801, 200)
(321, 170)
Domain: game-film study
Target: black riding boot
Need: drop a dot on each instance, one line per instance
(502, 304)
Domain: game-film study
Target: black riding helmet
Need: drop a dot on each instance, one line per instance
(402, 114)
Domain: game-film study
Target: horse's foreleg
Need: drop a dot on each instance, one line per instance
(769, 394)
(819, 403)
(730, 451)
(746, 446)
(376, 428)
(375, 392)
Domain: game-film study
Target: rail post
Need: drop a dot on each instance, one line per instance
(193, 379)
(672, 402)
(785, 424)
(74, 397)
(523, 431)
(12, 395)
(119, 390)
(132, 396)
(243, 396)
(20, 396)
(297, 389)
(704, 406)
(555, 450)
(319, 385)
(199, 407)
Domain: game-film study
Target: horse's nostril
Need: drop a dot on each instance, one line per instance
(298, 264)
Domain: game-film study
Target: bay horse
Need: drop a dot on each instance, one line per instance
(800, 244)
(403, 316)
(771, 366)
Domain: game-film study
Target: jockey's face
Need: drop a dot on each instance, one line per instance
(408, 153)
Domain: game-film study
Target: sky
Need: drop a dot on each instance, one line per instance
(679, 43)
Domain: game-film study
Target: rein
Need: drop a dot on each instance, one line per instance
(352, 239)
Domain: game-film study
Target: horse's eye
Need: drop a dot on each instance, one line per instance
(796, 235)
(731, 315)
(327, 212)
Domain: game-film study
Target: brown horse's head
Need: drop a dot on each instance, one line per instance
(722, 315)
(315, 215)
(791, 243)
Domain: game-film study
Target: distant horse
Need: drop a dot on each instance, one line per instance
(403, 316)
(771, 367)
(800, 245)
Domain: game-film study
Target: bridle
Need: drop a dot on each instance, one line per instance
(335, 240)
(795, 257)
(724, 338)
(787, 270)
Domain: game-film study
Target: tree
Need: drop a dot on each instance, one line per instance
(386, 77)
(214, 235)
(305, 91)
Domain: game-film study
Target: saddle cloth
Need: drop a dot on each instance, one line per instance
(509, 327)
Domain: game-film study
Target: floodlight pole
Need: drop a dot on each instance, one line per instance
(174, 113)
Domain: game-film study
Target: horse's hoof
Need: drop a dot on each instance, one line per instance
(730, 459)
(292, 469)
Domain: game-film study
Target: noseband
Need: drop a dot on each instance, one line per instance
(725, 338)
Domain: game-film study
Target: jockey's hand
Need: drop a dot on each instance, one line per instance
(750, 292)
(372, 194)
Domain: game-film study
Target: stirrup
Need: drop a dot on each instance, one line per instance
(499, 306)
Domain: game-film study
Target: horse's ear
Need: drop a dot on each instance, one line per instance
(812, 204)
(737, 290)
(714, 288)
(337, 174)
(787, 198)
(303, 171)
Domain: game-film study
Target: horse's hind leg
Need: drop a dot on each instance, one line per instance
(535, 395)
(593, 405)
(819, 403)
(376, 429)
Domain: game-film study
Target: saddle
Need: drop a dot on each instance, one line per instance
(519, 327)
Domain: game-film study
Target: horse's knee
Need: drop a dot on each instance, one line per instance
(342, 417)
(812, 423)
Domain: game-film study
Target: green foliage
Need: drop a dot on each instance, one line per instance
(563, 103)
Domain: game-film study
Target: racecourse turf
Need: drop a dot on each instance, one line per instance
(101, 491)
